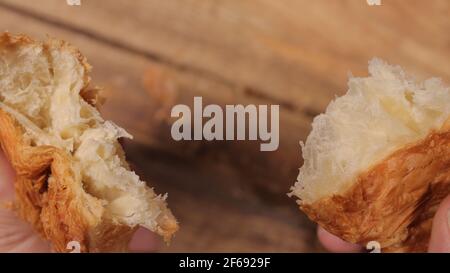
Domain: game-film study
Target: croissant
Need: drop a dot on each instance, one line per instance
(377, 162)
(72, 180)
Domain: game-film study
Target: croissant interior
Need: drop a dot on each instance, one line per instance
(375, 164)
(44, 89)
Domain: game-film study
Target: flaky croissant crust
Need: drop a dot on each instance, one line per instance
(395, 200)
(56, 208)
(47, 194)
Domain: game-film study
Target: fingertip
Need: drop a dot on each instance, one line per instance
(335, 244)
(144, 241)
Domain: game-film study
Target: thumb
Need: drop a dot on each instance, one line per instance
(440, 234)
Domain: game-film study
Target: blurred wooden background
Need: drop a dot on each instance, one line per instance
(149, 55)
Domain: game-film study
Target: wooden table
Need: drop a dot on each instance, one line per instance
(149, 55)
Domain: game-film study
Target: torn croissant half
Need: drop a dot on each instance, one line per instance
(72, 182)
(377, 162)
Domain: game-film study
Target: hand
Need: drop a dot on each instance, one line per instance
(439, 241)
(18, 236)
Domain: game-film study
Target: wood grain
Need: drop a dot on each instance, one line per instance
(295, 51)
(150, 55)
(235, 196)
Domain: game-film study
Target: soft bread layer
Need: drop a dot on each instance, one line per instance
(376, 165)
(41, 85)
(378, 115)
(393, 202)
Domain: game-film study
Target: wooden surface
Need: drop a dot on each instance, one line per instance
(149, 55)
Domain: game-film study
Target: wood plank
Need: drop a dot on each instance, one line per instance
(239, 51)
(155, 87)
(294, 51)
(226, 216)
(224, 187)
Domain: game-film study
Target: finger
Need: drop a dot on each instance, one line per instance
(440, 233)
(144, 241)
(18, 236)
(6, 179)
(335, 244)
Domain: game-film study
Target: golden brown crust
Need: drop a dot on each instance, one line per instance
(394, 201)
(33, 166)
(49, 197)
(49, 194)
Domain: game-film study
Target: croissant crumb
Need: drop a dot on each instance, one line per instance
(376, 164)
(73, 183)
